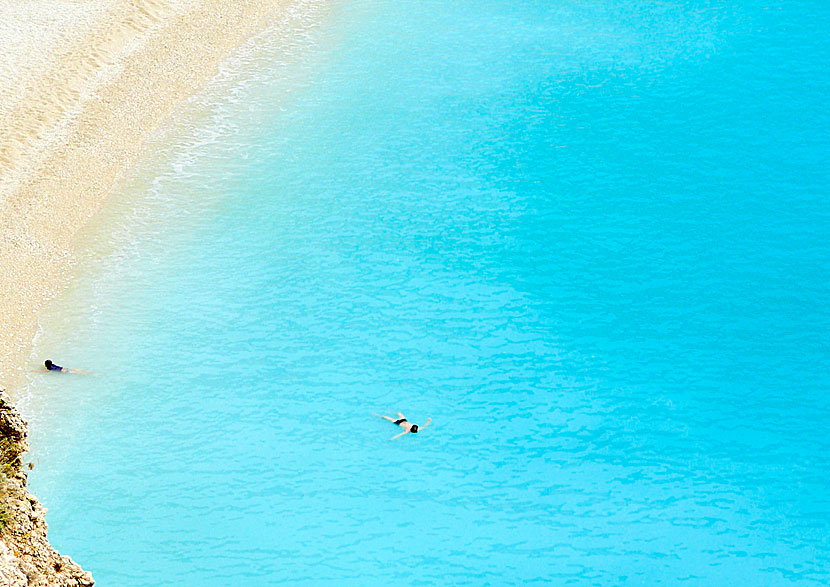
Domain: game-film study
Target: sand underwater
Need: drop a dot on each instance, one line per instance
(588, 240)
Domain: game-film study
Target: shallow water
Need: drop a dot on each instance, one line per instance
(588, 240)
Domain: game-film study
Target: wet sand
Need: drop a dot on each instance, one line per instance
(82, 87)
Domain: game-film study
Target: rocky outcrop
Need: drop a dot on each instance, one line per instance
(26, 557)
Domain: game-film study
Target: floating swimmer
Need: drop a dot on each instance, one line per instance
(407, 426)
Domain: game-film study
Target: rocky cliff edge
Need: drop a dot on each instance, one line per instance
(26, 557)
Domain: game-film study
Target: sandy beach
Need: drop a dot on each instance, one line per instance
(82, 86)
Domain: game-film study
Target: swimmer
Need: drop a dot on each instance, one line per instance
(50, 366)
(407, 426)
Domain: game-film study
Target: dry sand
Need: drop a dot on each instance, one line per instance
(82, 86)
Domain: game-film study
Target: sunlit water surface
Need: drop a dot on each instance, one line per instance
(590, 240)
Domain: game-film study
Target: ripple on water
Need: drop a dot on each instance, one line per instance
(559, 231)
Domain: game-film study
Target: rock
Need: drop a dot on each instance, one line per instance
(26, 557)
(12, 425)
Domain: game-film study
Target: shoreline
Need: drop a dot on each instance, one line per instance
(83, 88)
(70, 135)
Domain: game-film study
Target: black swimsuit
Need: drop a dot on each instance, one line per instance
(398, 422)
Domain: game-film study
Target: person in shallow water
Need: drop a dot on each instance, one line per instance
(407, 426)
(50, 366)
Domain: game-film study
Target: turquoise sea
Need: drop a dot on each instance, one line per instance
(588, 239)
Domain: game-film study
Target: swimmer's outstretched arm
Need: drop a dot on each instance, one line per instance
(425, 425)
(399, 435)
